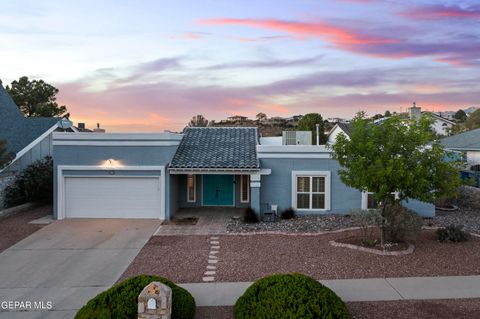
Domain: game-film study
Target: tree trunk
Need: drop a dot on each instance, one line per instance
(383, 229)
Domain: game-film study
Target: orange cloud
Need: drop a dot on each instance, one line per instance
(325, 31)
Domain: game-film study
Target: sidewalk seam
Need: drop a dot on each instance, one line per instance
(398, 292)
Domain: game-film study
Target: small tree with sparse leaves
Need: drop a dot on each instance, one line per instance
(198, 121)
(395, 157)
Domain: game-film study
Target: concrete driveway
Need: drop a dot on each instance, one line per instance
(67, 263)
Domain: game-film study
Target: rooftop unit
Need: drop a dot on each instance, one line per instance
(296, 138)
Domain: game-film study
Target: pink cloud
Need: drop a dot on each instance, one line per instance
(461, 52)
(327, 32)
(442, 12)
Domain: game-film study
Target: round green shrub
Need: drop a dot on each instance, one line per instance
(120, 301)
(289, 296)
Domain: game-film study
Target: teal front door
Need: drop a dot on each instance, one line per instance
(217, 190)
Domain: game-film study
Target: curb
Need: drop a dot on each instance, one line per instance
(15, 210)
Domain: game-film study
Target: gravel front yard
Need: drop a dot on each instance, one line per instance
(250, 257)
(468, 217)
(301, 224)
(178, 258)
(405, 309)
(16, 227)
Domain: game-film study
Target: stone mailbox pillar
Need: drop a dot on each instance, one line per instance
(155, 302)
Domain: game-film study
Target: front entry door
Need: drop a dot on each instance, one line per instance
(217, 190)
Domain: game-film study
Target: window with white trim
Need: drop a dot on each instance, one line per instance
(244, 188)
(191, 188)
(370, 202)
(312, 191)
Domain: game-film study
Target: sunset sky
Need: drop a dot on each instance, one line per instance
(152, 65)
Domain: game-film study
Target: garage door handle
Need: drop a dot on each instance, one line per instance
(216, 192)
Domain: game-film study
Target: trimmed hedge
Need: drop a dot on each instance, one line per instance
(289, 296)
(120, 301)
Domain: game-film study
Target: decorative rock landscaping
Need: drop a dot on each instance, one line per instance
(299, 224)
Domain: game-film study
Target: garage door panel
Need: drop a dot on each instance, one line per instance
(112, 197)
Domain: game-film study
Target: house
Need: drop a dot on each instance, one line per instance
(440, 125)
(467, 143)
(117, 175)
(237, 118)
(337, 129)
(28, 138)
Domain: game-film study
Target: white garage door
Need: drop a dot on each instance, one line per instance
(112, 197)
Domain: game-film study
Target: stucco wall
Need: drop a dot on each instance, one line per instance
(123, 155)
(276, 188)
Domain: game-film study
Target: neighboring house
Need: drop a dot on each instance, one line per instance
(467, 143)
(337, 129)
(440, 125)
(117, 175)
(237, 118)
(28, 138)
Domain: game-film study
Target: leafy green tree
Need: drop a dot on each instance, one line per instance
(473, 120)
(4, 156)
(309, 123)
(387, 113)
(394, 158)
(460, 116)
(36, 98)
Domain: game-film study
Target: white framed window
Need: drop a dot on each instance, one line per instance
(191, 189)
(244, 188)
(311, 190)
(369, 201)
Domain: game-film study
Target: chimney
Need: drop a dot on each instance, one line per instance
(81, 126)
(98, 129)
(415, 112)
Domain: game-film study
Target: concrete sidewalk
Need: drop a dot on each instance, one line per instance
(374, 289)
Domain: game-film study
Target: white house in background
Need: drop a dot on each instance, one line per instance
(441, 125)
(467, 143)
(337, 129)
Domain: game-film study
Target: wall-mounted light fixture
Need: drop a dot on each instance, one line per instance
(111, 162)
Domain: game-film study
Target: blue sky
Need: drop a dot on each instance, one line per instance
(151, 65)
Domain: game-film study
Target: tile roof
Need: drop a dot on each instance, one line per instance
(468, 140)
(217, 148)
(17, 130)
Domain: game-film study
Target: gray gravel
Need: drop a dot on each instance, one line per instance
(299, 224)
(468, 217)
